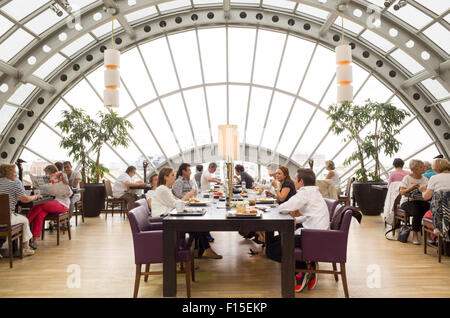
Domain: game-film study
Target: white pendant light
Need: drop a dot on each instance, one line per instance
(111, 75)
(344, 74)
(228, 142)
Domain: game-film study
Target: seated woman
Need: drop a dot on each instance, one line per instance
(398, 174)
(412, 201)
(333, 175)
(438, 182)
(150, 193)
(60, 204)
(9, 186)
(287, 187)
(163, 201)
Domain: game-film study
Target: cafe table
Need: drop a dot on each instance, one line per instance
(215, 219)
(145, 187)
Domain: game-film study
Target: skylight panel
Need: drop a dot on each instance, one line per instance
(245, 2)
(348, 25)
(21, 94)
(77, 45)
(202, 2)
(146, 12)
(14, 44)
(6, 113)
(321, 14)
(439, 35)
(5, 25)
(411, 15)
(377, 40)
(171, 5)
(285, 4)
(19, 9)
(44, 21)
(437, 6)
(435, 88)
(105, 28)
(53, 63)
(407, 61)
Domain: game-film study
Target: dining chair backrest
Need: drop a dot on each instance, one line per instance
(5, 216)
(143, 203)
(108, 188)
(331, 204)
(348, 186)
(341, 242)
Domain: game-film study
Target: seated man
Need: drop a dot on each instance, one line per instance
(183, 188)
(121, 188)
(310, 210)
(9, 186)
(242, 176)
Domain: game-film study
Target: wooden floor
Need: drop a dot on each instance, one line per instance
(103, 250)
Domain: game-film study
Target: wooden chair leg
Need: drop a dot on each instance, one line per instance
(58, 224)
(181, 267)
(82, 214)
(425, 240)
(344, 279)
(336, 277)
(21, 244)
(147, 269)
(43, 230)
(10, 248)
(137, 281)
(188, 279)
(68, 229)
(439, 248)
(192, 267)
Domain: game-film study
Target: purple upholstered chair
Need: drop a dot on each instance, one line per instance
(332, 205)
(328, 246)
(148, 248)
(144, 203)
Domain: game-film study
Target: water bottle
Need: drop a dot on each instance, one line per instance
(243, 185)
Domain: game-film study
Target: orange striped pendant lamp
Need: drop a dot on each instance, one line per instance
(112, 76)
(344, 74)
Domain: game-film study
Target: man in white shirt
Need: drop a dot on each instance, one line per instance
(122, 185)
(309, 209)
(207, 177)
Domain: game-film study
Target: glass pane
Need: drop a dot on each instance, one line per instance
(55, 115)
(377, 40)
(238, 107)
(49, 149)
(13, 44)
(185, 53)
(106, 28)
(6, 113)
(268, 55)
(240, 56)
(244, 1)
(411, 15)
(308, 10)
(277, 117)
(280, 3)
(217, 99)
(212, 45)
(147, 12)
(19, 9)
(171, 5)
(44, 21)
(259, 104)
(435, 88)
(78, 44)
(34, 165)
(195, 100)
(321, 71)
(437, 6)
(52, 63)
(349, 25)
(112, 161)
(439, 35)
(142, 136)
(157, 56)
(5, 25)
(135, 76)
(296, 123)
(201, 2)
(407, 61)
(298, 52)
(21, 94)
(82, 96)
(374, 90)
(158, 123)
(446, 106)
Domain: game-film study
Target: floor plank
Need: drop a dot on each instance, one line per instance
(103, 250)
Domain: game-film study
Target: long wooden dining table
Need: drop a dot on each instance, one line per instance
(215, 219)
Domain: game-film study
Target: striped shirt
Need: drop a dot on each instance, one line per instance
(13, 190)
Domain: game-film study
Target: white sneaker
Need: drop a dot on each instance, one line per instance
(28, 252)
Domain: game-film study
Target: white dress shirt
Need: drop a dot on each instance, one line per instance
(312, 206)
(163, 201)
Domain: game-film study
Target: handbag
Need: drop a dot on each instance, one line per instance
(404, 233)
(414, 195)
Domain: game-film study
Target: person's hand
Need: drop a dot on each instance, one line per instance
(192, 193)
(140, 182)
(295, 214)
(274, 183)
(423, 188)
(38, 196)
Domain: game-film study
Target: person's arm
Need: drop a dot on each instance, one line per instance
(177, 189)
(404, 190)
(188, 195)
(427, 194)
(75, 183)
(149, 202)
(283, 193)
(29, 198)
(330, 175)
(168, 199)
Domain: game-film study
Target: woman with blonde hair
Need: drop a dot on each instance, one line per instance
(60, 204)
(440, 181)
(412, 200)
(333, 175)
(286, 189)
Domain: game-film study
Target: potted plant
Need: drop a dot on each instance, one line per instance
(382, 121)
(81, 131)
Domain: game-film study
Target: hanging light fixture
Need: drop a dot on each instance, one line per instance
(344, 76)
(112, 75)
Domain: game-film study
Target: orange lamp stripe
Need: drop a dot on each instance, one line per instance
(345, 82)
(112, 67)
(112, 86)
(343, 62)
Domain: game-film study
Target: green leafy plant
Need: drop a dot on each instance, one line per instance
(386, 119)
(81, 131)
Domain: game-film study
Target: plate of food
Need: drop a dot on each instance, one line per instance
(189, 212)
(265, 201)
(218, 194)
(196, 202)
(252, 213)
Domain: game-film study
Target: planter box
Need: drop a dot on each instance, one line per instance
(93, 199)
(368, 199)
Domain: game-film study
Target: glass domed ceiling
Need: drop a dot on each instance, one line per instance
(275, 96)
